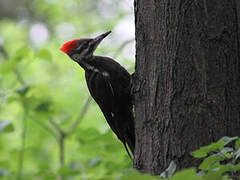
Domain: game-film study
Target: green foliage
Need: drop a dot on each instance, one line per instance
(6, 126)
(43, 54)
(220, 162)
(187, 174)
(139, 176)
(220, 158)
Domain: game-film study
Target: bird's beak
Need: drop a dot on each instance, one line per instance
(102, 36)
(98, 39)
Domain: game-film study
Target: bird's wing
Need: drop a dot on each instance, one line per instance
(113, 101)
(103, 93)
(126, 124)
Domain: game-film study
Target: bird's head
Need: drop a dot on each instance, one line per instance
(79, 49)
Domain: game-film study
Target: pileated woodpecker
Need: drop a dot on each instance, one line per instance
(109, 84)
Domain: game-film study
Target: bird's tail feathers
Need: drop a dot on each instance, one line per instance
(130, 155)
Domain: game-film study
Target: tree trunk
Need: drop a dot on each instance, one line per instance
(186, 83)
(238, 14)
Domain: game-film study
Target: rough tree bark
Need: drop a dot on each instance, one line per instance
(186, 83)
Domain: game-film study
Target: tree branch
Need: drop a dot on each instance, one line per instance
(19, 76)
(22, 148)
(61, 140)
(80, 117)
(56, 126)
(45, 127)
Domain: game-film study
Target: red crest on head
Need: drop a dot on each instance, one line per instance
(69, 46)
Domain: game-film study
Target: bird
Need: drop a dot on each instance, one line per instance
(109, 85)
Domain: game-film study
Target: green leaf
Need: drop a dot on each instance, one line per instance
(66, 171)
(6, 127)
(44, 54)
(23, 90)
(237, 143)
(8, 66)
(226, 153)
(187, 174)
(226, 150)
(210, 162)
(12, 62)
(220, 169)
(138, 176)
(203, 151)
(237, 154)
(236, 167)
(212, 175)
(88, 135)
(44, 106)
(227, 139)
(21, 53)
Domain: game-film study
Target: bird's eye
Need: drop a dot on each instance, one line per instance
(84, 45)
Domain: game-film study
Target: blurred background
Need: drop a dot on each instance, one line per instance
(49, 127)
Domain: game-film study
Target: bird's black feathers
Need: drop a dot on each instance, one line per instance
(110, 87)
